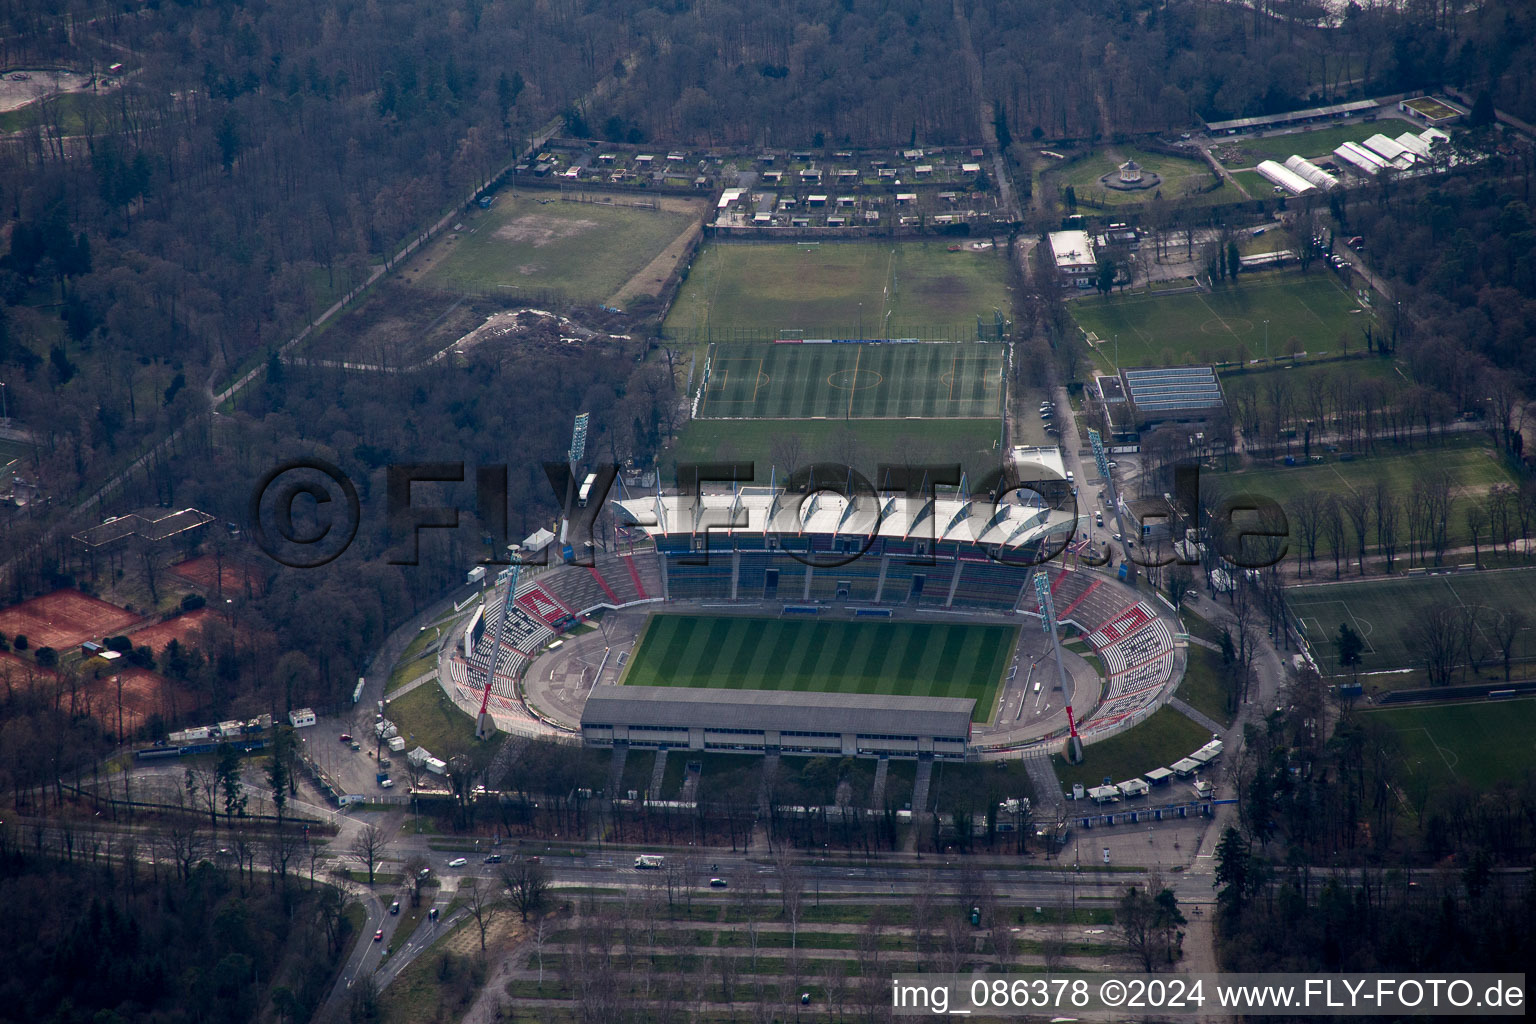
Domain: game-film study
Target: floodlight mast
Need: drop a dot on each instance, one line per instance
(484, 726)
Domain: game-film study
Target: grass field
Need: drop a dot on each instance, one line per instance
(1305, 313)
(1201, 686)
(840, 290)
(769, 381)
(1314, 144)
(530, 244)
(910, 659)
(862, 444)
(1156, 743)
(1387, 612)
(1478, 744)
(1473, 468)
(1179, 176)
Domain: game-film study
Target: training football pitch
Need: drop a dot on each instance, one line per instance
(1478, 744)
(1386, 612)
(1305, 313)
(907, 659)
(840, 290)
(852, 381)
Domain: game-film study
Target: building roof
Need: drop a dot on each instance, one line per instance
(1173, 389)
(1285, 177)
(1337, 110)
(764, 511)
(682, 707)
(1072, 249)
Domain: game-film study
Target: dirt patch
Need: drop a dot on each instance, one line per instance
(144, 694)
(181, 628)
(16, 93)
(63, 619)
(506, 929)
(655, 273)
(203, 572)
(537, 230)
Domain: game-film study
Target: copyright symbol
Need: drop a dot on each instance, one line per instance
(1112, 992)
(321, 533)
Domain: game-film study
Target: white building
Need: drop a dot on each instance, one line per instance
(1310, 171)
(1073, 251)
(1285, 178)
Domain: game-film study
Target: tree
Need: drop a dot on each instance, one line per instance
(1234, 260)
(1149, 924)
(1233, 866)
(413, 867)
(1350, 646)
(1506, 628)
(481, 902)
(1482, 113)
(229, 781)
(528, 881)
(367, 846)
(1105, 280)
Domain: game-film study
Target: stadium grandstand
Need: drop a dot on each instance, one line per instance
(766, 550)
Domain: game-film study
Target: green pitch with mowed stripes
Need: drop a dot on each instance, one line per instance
(908, 659)
(853, 381)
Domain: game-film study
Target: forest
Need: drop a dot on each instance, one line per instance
(125, 941)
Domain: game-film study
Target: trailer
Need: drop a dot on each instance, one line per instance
(301, 718)
(436, 765)
(475, 575)
(396, 744)
(649, 861)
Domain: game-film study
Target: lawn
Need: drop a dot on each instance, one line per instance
(839, 290)
(862, 444)
(910, 659)
(1473, 468)
(534, 244)
(1316, 145)
(1180, 176)
(1270, 314)
(427, 718)
(1387, 612)
(1156, 743)
(1478, 744)
(852, 381)
(1201, 687)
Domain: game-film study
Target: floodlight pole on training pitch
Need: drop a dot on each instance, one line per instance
(1074, 751)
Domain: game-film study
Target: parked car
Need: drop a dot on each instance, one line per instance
(346, 737)
(458, 862)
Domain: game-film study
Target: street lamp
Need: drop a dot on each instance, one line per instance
(1266, 339)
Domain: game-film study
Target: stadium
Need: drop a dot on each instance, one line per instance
(785, 618)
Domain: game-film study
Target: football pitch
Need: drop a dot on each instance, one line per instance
(840, 290)
(908, 659)
(1478, 744)
(852, 381)
(1386, 612)
(1305, 313)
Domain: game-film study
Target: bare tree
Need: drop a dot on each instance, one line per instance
(482, 903)
(1333, 526)
(1357, 509)
(367, 846)
(1506, 627)
(1306, 510)
(415, 868)
(528, 881)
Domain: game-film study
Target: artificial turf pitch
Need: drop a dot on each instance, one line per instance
(907, 659)
(1477, 744)
(852, 381)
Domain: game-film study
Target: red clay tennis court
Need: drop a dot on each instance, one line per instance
(182, 627)
(63, 619)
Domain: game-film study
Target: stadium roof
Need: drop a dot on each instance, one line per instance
(780, 710)
(1313, 113)
(762, 510)
(1173, 389)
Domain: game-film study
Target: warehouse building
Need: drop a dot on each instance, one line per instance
(773, 721)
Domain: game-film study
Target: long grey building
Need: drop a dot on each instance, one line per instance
(774, 721)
